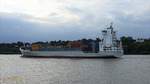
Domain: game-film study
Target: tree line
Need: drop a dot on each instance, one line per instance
(130, 45)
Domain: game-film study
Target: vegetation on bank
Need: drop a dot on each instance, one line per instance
(138, 46)
(130, 45)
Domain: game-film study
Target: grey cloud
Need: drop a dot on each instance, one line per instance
(130, 17)
(17, 29)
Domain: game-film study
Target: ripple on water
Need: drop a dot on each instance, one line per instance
(130, 69)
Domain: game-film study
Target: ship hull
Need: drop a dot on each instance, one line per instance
(28, 53)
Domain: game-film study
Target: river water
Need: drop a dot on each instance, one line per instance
(129, 69)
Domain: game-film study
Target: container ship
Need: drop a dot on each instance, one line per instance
(107, 46)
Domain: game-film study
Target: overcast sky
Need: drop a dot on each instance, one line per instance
(44, 20)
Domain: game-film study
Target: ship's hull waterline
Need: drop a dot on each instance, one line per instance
(28, 53)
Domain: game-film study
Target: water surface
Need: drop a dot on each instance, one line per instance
(129, 69)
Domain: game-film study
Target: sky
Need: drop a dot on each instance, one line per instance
(45, 20)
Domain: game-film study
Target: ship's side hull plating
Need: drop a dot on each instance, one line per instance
(70, 54)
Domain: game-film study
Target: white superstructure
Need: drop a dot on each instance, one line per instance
(109, 41)
(109, 46)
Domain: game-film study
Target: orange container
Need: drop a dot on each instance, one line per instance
(36, 47)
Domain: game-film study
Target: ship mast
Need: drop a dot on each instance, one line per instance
(111, 27)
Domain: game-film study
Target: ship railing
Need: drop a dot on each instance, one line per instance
(113, 50)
